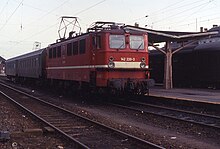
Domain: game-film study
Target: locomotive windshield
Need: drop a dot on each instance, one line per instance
(117, 41)
(136, 42)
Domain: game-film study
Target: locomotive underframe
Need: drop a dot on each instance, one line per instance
(130, 86)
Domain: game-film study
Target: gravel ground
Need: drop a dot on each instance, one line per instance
(160, 131)
(163, 132)
(24, 131)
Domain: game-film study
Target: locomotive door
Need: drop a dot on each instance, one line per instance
(94, 47)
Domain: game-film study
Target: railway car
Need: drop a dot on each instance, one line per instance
(156, 63)
(27, 66)
(10, 68)
(206, 56)
(183, 66)
(105, 59)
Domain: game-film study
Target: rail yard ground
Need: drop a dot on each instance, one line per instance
(24, 131)
(166, 132)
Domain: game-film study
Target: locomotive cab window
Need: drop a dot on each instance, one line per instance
(117, 41)
(137, 42)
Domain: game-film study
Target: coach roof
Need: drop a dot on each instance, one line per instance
(30, 54)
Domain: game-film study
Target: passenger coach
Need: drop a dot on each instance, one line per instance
(27, 66)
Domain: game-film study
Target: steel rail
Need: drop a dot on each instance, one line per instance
(81, 145)
(177, 110)
(166, 116)
(85, 118)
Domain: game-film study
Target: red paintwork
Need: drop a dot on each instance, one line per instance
(95, 56)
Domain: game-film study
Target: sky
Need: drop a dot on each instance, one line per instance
(25, 22)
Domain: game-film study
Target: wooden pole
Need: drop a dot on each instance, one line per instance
(168, 81)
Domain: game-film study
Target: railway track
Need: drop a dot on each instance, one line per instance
(85, 133)
(210, 121)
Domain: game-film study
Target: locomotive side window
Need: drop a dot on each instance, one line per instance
(117, 41)
(136, 42)
(54, 52)
(50, 53)
(82, 46)
(69, 49)
(59, 51)
(75, 48)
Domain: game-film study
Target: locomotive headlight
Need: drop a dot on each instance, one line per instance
(142, 64)
(111, 64)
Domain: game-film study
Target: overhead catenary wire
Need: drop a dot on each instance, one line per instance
(171, 8)
(156, 12)
(32, 7)
(192, 5)
(3, 8)
(77, 13)
(186, 10)
(49, 12)
(178, 4)
(11, 15)
(200, 7)
(92, 6)
(53, 25)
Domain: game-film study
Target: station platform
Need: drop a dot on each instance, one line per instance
(201, 95)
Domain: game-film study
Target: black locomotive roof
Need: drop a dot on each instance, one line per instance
(208, 46)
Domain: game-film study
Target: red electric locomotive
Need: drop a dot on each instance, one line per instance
(105, 59)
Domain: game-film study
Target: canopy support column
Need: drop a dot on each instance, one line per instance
(168, 81)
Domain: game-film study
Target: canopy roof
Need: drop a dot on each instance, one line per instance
(155, 36)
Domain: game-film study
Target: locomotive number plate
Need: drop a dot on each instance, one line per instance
(128, 59)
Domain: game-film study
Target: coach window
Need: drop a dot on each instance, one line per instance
(50, 53)
(82, 46)
(137, 42)
(117, 41)
(59, 51)
(32, 63)
(69, 49)
(75, 48)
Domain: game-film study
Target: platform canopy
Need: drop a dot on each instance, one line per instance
(155, 36)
